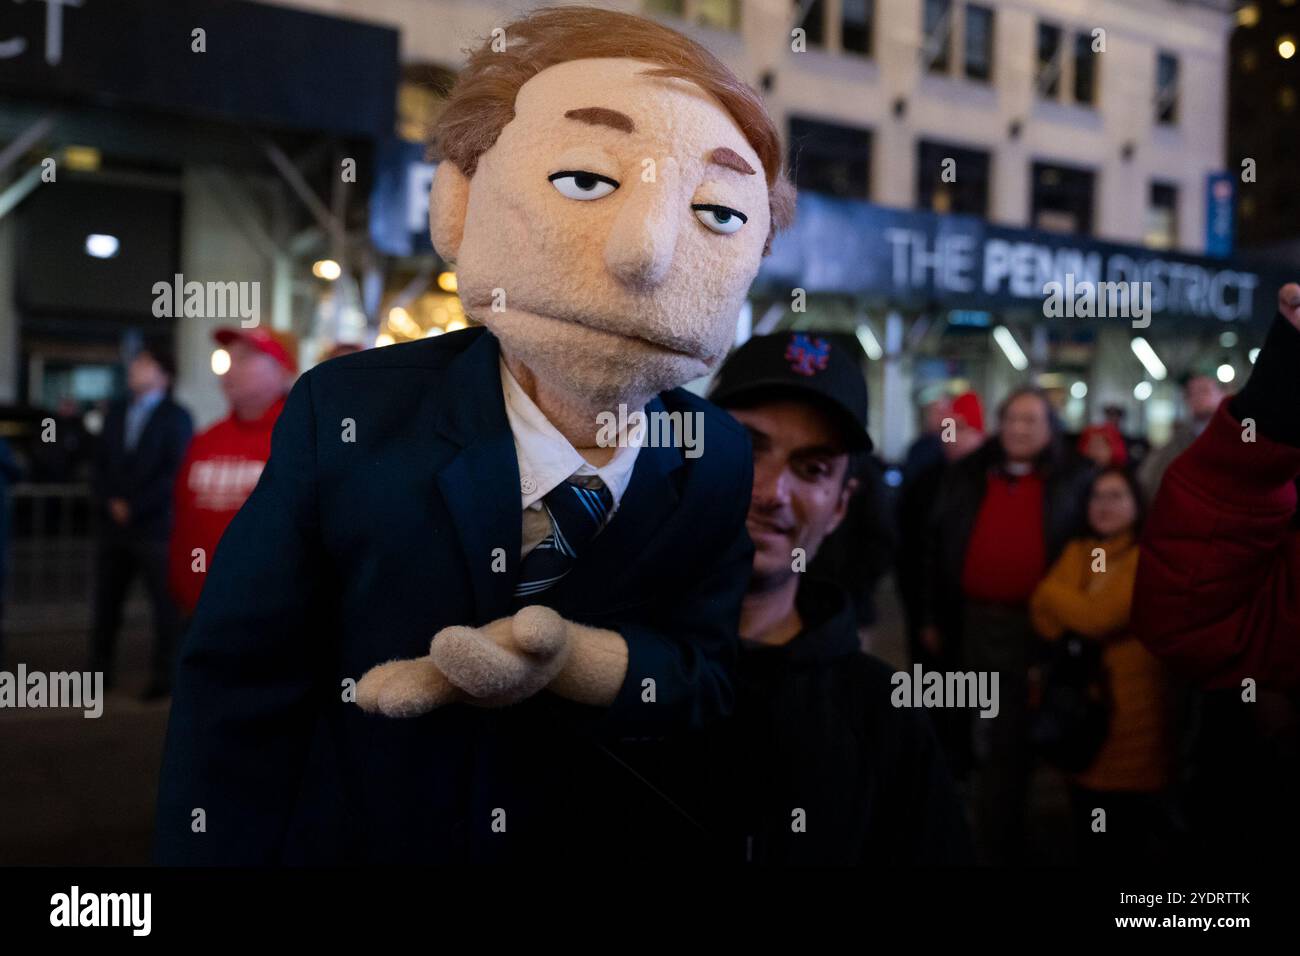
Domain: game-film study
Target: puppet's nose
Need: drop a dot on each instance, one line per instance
(644, 236)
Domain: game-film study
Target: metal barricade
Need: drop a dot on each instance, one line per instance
(50, 580)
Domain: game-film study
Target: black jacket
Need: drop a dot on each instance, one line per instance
(145, 475)
(952, 520)
(351, 553)
(814, 730)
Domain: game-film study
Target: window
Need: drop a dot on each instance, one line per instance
(830, 159)
(937, 31)
(967, 193)
(666, 8)
(855, 26)
(1048, 76)
(1062, 199)
(1167, 89)
(1162, 217)
(811, 15)
(979, 43)
(719, 14)
(1085, 70)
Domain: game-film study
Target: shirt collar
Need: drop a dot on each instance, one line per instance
(149, 398)
(546, 457)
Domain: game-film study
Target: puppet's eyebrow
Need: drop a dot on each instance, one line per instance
(601, 116)
(725, 156)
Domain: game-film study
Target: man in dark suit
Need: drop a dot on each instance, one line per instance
(538, 606)
(140, 450)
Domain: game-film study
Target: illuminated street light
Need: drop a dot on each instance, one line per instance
(1147, 356)
(870, 344)
(102, 246)
(326, 269)
(1010, 348)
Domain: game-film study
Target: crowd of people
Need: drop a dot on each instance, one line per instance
(1164, 699)
(163, 495)
(1015, 549)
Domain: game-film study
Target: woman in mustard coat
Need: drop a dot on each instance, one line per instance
(1089, 591)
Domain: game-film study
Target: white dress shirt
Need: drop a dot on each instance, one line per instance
(546, 458)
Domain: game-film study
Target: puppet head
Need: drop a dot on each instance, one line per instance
(607, 190)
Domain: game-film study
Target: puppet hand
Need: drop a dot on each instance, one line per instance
(506, 661)
(405, 688)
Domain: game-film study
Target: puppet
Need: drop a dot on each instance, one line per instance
(606, 189)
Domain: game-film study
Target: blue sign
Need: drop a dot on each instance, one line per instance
(399, 201)
(1220, 210)
(925, 260)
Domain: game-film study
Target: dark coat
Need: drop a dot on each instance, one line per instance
(145, 475)
(815, 731)
(352, 553)
(952, 521)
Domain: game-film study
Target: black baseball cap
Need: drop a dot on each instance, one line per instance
(819, 366)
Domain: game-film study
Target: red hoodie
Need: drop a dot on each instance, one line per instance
(216, 478)
(1218, 584)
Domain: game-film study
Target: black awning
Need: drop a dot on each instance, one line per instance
(262, 65)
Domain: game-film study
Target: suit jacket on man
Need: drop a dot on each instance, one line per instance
(391, 490)
(143, 475)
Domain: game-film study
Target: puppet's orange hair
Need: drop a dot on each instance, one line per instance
(483, 100)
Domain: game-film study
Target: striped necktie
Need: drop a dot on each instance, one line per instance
(577, 508)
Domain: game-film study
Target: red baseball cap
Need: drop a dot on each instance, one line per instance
(968, 407)
(281, 346)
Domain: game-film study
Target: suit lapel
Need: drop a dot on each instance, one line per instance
(480, 483)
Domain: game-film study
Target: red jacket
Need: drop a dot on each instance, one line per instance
(216, 478)
(1218, 586)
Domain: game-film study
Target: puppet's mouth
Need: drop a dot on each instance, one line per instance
(677, 345)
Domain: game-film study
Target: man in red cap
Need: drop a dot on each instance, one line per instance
(225, 461)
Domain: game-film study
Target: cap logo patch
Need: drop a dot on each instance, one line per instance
(807, 356)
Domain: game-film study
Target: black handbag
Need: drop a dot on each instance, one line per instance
(1071, 718)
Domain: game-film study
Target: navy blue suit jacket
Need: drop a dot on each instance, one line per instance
(352, 553)
(146, 474)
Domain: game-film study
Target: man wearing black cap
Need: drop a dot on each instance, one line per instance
(816, 766)
(140, 450)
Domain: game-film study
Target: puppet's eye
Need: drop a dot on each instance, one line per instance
(580, 184)
(721, 219)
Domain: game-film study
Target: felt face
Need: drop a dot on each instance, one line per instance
(610, 234)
